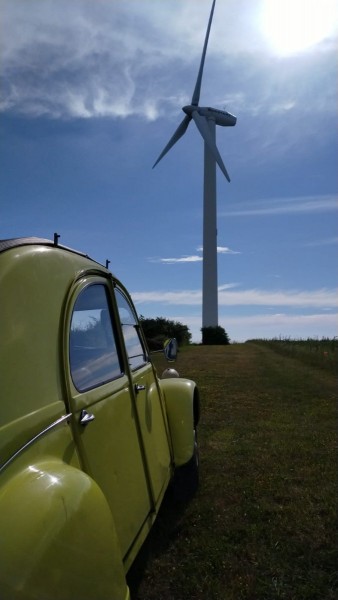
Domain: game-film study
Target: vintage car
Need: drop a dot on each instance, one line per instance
(90, 437)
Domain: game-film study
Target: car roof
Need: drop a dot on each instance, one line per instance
(10, 243)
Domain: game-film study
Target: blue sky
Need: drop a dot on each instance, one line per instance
(91, 92)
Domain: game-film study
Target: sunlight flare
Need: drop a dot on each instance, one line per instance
(292, 26)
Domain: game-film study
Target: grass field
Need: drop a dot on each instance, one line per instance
(321, 353)
(263, 523)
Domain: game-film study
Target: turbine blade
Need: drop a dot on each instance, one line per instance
(203, 127)
(181, 129)
(197, 90)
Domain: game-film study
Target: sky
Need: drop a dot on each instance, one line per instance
(91, 92)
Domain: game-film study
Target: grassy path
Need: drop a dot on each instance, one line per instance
(262, 525)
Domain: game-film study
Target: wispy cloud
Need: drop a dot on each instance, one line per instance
(268, 325)
(282, 319)
(194, 257)
(284, 206)
(328, 242)
(315, 325)
(227, 286)
(269, 320)
(88, 59)
(182, 259)
(321, 298)
(287, 298)
(221, 250)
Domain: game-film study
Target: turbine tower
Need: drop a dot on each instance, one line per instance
(206, 119)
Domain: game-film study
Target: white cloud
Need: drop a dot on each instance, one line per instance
(290, 298)
(183, 259)
(266, 326)
(321, 298)
(281, 325)
(227, 286)
(221, 250)
(117, 58)
(225, 250)
(280, 206)
(194, 257)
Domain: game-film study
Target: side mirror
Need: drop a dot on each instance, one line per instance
(170, 349)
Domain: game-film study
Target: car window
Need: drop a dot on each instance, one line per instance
(133, 341)
(92, 348)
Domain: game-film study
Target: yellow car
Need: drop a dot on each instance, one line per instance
(90, 437)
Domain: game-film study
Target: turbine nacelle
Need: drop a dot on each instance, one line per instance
(202, 115)
(221, 117)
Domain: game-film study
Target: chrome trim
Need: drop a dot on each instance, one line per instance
(34, 439)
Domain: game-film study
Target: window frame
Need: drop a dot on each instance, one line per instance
(135, 325)
(84, 286)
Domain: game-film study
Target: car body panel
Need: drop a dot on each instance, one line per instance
(154, 429)
(87, 449)
(54, 517)
(182, 404)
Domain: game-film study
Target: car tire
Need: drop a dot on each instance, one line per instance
(186, 477)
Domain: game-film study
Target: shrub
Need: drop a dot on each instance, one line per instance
(212, 336)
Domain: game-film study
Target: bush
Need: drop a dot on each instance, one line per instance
(212, 336)
(159, 329)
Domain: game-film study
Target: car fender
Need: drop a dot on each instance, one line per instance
(58, 537)
(182, 405)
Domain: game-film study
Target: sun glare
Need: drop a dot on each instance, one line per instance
(292, 26)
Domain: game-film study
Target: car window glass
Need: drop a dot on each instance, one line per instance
(134, 346)
(92, 349)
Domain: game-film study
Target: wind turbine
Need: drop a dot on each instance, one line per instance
(206, 119)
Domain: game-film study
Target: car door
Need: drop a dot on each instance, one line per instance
(104, 415)
(149, 404)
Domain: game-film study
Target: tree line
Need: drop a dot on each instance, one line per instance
(159, 329)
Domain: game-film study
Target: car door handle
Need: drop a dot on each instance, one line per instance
(86, 418)
(139, 388)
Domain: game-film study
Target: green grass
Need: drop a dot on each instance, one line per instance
(263, 523)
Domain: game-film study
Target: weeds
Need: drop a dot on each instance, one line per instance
(321, 353)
